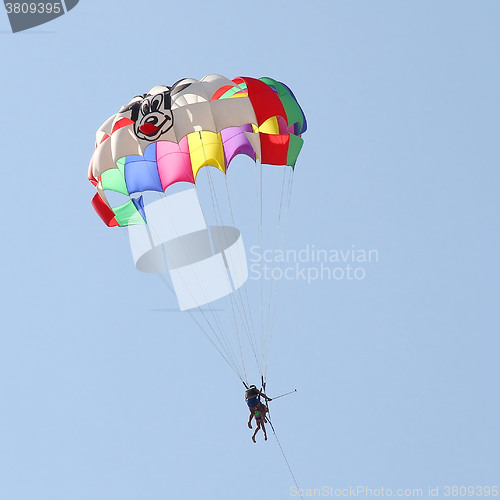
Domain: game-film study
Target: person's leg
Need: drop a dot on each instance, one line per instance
(256, 430)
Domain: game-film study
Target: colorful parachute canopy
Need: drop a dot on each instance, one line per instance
(169, 134)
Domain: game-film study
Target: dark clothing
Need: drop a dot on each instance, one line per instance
(253, 402)
(252, 392)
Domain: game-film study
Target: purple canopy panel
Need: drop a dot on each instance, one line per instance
(235, 142)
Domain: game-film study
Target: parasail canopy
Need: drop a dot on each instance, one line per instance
(164, 139)
(167, 135)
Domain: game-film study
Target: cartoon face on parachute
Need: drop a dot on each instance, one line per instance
(167, 135)
(152, 116)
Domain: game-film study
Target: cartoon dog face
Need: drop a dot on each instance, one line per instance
(152, 115)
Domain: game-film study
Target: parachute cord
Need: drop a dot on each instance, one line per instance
(221, 337)
(279, 443)
(278, 234)
(245, 304)
(261, 211)
(234, 309)
(286, 214)
(218, 350)
(234, 224)
(284, 456)
(232, 364)
(282, 186)
(241, 310)
(235, 326)
(230, 357)
(222, 340)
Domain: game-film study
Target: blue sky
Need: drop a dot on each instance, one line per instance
(106, 394)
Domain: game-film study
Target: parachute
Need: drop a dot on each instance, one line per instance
(158, 144)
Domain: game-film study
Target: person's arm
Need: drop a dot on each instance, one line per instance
(265, 397)
(250, 421)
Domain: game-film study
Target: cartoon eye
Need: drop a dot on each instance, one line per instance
(156, 103)
(145, 108)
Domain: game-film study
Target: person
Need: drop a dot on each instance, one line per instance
(260, 419)
(252, 398)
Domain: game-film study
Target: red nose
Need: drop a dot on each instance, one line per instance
(148, 128)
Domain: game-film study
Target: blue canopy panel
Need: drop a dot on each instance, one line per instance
(141, 172)
(139, 205)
